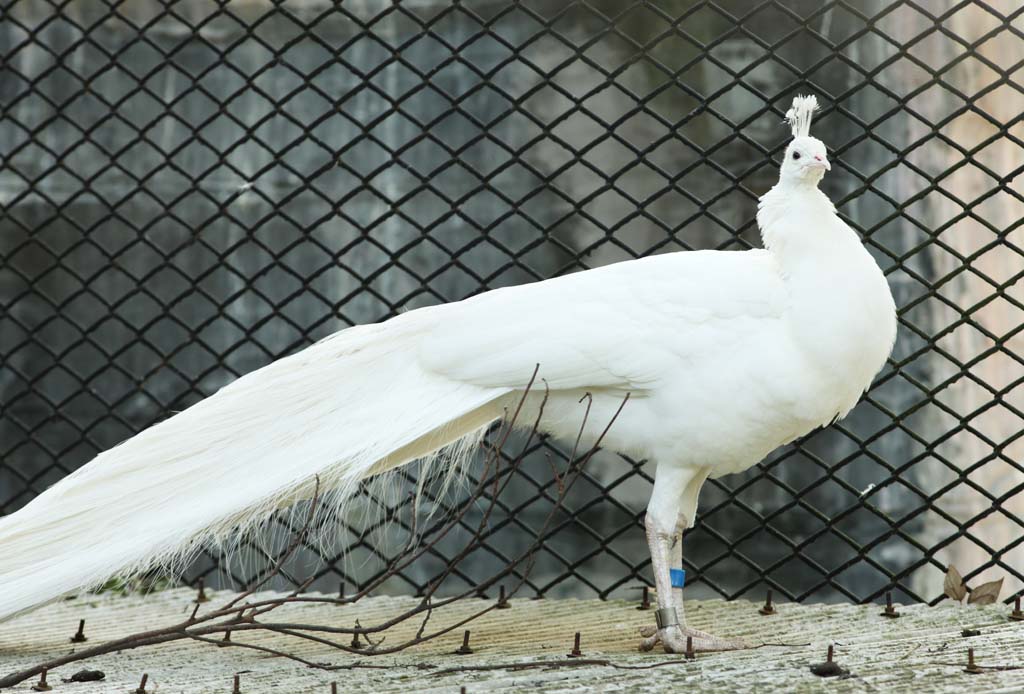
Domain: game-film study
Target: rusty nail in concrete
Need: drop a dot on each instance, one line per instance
(829, 668)
(355, 640)
(201, 594)
(1017, 615)
(236, 689)
(464, 649)
(79, 636)
(889, 611)
(41, 685)
(462, 690)
(576, 652)
(768, 607)
(971, 668)
(645, 601)
(142, 685)
(334, 688)
(341, 590)
(690, 654)
(226, 640)
(502, 600)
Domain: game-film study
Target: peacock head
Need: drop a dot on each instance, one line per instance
(805, 160)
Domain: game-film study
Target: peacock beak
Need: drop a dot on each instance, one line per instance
(820, 162)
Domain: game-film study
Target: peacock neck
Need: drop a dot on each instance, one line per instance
(840, 308)
(799, 226)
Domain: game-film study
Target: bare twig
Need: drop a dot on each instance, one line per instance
(554, 664)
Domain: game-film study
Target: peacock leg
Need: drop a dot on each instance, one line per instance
(672, 509)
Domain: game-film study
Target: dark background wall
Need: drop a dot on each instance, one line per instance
(190, 193)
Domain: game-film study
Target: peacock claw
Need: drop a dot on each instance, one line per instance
(673, 640)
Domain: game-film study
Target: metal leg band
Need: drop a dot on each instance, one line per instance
(666, 617)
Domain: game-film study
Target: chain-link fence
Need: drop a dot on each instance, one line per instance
(192, 189)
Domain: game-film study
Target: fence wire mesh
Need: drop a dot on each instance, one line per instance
(193, 189)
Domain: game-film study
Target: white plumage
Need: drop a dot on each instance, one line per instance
(725, 355)
(800, 114)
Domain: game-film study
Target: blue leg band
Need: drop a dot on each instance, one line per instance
(678, 577)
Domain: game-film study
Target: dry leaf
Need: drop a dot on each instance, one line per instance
(986, 593)
(954, 586)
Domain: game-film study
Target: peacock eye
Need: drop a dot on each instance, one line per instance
(796, 155)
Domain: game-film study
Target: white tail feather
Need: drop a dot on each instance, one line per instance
(353, 405)
(800, 114)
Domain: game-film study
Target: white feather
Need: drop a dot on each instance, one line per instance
(800, 114)
(353, 404)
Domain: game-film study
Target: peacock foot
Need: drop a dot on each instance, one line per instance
(673, 640)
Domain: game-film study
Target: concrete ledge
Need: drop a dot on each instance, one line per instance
(922, 651)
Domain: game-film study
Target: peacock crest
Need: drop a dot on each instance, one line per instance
(800, 114)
